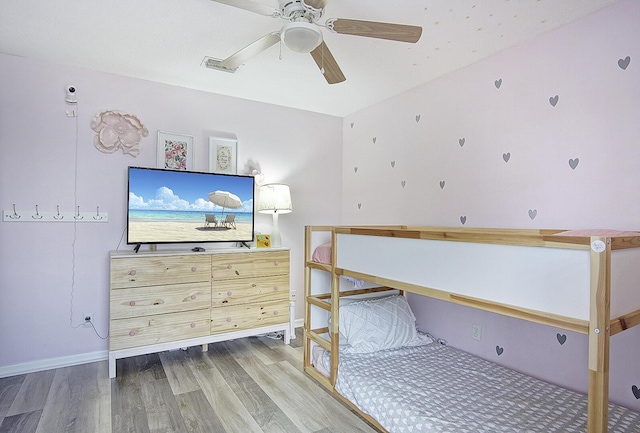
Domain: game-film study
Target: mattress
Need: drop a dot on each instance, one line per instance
(437, 388)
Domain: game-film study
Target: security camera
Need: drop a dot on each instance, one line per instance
(71, 94)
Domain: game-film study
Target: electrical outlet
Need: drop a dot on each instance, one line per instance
(476, 332)
(87, 317)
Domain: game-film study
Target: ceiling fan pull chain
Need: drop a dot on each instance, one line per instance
(280, 56)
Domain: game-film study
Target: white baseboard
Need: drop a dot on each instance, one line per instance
(51, 363)
(68, 361)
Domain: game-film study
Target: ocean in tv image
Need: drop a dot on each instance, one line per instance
(184, 216)
(171, 206)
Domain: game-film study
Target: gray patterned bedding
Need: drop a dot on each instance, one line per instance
(436, 388)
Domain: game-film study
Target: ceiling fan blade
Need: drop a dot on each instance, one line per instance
(251, 50)
(327, 64)
(372, 29)
(316, 4)
(251, 6)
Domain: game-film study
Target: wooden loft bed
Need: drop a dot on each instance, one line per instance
(593, 272)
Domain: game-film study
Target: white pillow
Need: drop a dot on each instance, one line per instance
(378, 324)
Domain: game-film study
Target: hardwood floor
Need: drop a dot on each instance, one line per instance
(249, 385)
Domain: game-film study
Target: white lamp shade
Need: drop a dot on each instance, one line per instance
(275, 198)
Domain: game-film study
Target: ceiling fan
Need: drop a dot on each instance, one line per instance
(303, 34)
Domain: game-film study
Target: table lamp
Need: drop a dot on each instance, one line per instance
(275, 199)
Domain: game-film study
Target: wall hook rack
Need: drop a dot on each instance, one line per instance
(14, 215)
(58, 216)
(55, 216)
(97, 216)
(37, 216)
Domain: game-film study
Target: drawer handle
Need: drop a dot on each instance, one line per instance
(229, 266)
(276, 288)
(277, 263)
(275, 313)
(193, 325)
(193, 296)
(132, 303)
(228, 319)
(229, 293)
(132, 333)
(193, 269)
(132, 272)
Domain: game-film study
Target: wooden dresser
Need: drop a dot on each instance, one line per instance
(166, 300)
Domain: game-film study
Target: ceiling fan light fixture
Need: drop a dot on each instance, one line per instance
(301, 37)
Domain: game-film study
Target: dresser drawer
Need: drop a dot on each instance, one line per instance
(247, 265)
(155, 271)
(258, 290)
(172, 298)
(247, 316)
(161, 328)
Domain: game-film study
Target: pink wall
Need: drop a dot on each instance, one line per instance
(485, 147)
(42, 289)
(394, 157)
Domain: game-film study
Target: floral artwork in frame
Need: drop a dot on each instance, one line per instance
(175, 151)
(223, 155)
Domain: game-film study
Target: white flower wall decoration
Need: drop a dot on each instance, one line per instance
(118, 131)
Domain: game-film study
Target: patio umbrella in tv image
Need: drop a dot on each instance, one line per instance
(225, 199)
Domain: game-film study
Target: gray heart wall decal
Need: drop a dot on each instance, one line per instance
(393, 164)
(635, 391)
(355, 169)
(498, 83)
(417, 118)
(359, 205)
(403, 183)
(573, 163)
(351, 125)
(374, 140)
(463, 219)
(499, 350)
(506, 156)
(553, 100)
(533, 213)
(461, 142)
(561, 338)
(442, 184)
(623, 63)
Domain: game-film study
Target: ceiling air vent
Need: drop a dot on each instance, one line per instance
(216, 64)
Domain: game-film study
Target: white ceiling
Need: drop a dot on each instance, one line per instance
(166, 41)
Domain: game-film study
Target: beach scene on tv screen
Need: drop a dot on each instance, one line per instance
(173, 206)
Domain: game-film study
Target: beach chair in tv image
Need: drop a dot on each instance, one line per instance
(210, 220)
(230, 221)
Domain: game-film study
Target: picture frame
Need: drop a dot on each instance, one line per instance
(175, 151)
(263, 241)
(223, 155)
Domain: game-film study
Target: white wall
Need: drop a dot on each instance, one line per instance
(52, 273)
(484, 147)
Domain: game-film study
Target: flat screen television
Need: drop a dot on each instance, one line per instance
(169, 206)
